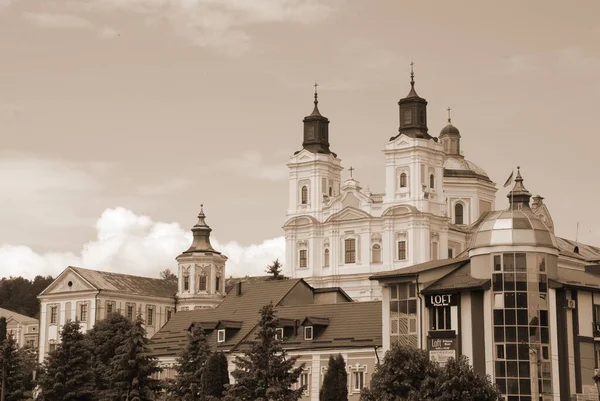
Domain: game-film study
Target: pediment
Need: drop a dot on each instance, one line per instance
(399, 210)
(349, 213)
(68, 281)
(350, 200)
(300, 221)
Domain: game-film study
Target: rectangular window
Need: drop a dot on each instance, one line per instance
(83, 312)
(450, 253)
(403, 315)
(109, 308)
(186, 283)
(279, 333)
(150, 316)
(52, 347)
(31, 343)
(401, 250)
(169, 313)
(358, 380)
(304, 382)
(303, 258)
(440, 318)
(221, 336)
(218, 284)
(500, 351)
(326, 257)
(130, 312)
(202, 283)
(350, 250)
(497, 263)
(53, 314)
(308, 333)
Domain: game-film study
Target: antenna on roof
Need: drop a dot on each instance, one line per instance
(577, 232)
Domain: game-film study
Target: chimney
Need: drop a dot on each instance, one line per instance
(239, 288)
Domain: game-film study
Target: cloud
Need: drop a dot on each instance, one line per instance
(217, 24)
(107, 33)
(133, 244)
(251, 164)
(65, 21)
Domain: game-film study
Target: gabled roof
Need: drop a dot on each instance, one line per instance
(125, 283)
(459, 279)
(16, 316)
(420, 268)
(577, 278)
(585, 252)
(172, 337)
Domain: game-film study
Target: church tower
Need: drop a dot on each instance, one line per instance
(314, 171)
(201, 271)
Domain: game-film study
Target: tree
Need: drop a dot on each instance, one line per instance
(191, 365)
(458, 382)
(406, 374)
(103, 340)
(131, 368)
(275, 270)
(16, 370)
(20, 295)
(216, 375)
(2, 329)
(335, 382)
(169, 276)
(265, 372)
(67, 374)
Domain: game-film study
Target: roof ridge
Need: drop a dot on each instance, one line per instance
(331, 304)
(115, 273)
(460, 266)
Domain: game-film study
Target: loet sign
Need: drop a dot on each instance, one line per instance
(432, 301)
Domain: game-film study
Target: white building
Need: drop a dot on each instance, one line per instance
(338, 234)
(23, 328)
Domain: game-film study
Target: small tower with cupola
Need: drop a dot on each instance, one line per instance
(201, 271)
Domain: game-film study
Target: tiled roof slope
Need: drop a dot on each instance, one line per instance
(231, 282)
(17, 316)
(134, 285)
(421, 267)
(586, 252)
(458, 279)
(171, 338)
(350, 325)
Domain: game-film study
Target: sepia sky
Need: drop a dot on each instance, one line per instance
(118, 118)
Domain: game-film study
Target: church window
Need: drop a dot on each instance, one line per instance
(202, 282)
(422, 116)
(407, 117)
(402, 252)
(459, 213)
(150, 315)
(186, 282)
(304, 195)
(431, 181)
(53, 314)
(376, 253)
(169, 314)
(303, 258)
(83, 310)
(221, 336)
(218, 283)
(326, 257)
(330, 190)
(403, 180)
(358, 381)
(350, 250)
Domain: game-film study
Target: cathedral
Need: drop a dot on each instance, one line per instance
(338, 234)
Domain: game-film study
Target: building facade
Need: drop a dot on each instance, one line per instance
(338, 233)
(25, 329)
(517, 304)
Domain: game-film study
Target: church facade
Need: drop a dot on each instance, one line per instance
(338, 233)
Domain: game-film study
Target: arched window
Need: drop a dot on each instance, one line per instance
(458, 213)
(431, 181)
(326, 257)
(403, 180)
(330, 191)
(376, 253)
(304, 198)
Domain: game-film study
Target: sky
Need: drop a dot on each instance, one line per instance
(118, 118)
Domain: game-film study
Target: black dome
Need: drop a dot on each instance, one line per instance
(449, 130)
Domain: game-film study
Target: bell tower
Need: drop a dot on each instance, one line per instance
(413, 112)
(201, 271)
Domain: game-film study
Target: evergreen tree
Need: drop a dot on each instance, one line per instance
(265, 372)
(16, 368)
(2, 329)
(216, 376)
(188, 384)
(131, 368)
(406, 374)
(275, 270)
(67, 374)
(169, 276)
(458, 382)
(335, 382)
(104, 339)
